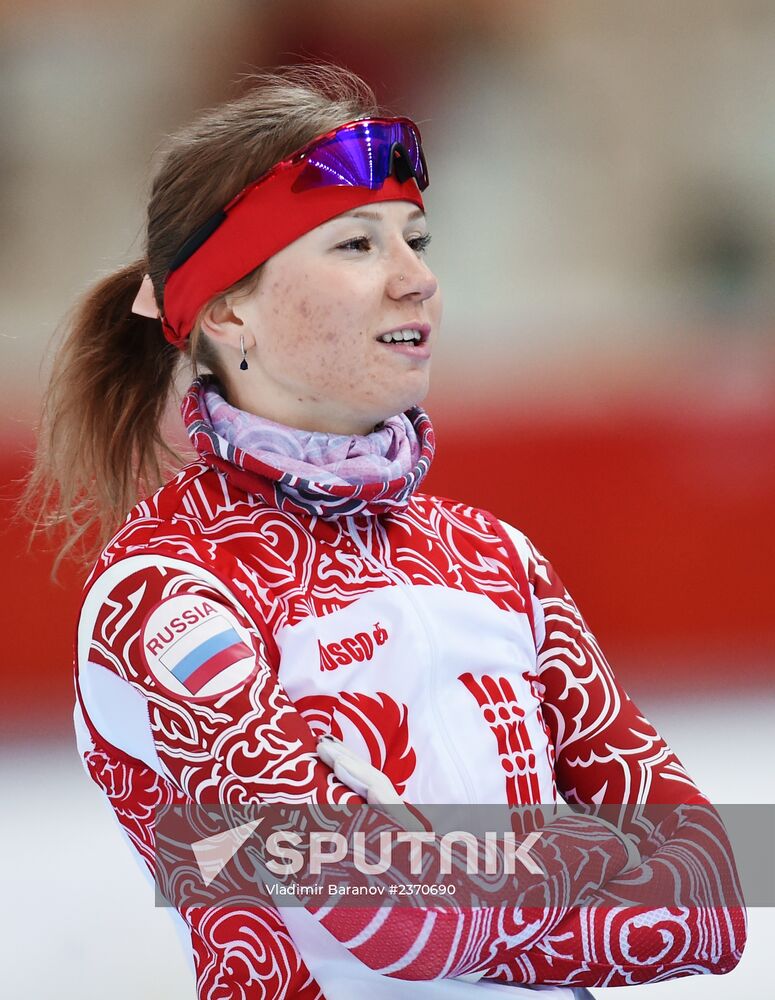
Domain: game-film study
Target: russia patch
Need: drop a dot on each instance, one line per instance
(195, 646)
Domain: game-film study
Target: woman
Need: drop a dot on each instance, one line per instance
(293, 583)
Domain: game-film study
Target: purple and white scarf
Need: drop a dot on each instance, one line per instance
(385, 454)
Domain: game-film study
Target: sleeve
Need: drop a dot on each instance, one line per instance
(607, 752)
(175, 671)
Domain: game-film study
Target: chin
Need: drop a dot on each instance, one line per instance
(400, 403)
(417, 397)
(402, 407)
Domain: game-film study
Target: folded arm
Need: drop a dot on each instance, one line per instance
(221, 729)
(606, 751)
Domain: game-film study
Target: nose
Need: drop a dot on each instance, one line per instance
(411, 276)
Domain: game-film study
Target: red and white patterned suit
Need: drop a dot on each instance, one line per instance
(433, 640)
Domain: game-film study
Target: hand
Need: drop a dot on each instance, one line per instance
(369, 782)
(356, 773)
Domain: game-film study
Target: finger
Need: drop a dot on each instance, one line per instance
(349, 779)
(327, 753)
(332, 751)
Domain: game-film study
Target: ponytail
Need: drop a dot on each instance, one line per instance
(100, 445)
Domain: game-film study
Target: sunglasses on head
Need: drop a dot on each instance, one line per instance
(363, 154)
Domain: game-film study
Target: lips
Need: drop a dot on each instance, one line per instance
(424, 329)
(419, 351)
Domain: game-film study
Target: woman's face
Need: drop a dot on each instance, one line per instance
(312, 325)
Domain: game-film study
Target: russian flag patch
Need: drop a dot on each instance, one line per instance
(195, 646)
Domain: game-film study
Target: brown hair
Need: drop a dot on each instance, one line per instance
(101, 444)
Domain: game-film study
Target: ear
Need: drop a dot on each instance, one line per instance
(220, 322)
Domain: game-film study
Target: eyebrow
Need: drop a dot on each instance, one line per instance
(376, 217)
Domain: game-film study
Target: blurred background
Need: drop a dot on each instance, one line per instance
(602, 204)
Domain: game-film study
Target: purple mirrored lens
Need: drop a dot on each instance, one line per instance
(361, 156)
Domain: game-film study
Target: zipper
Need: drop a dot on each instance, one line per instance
(449, 744)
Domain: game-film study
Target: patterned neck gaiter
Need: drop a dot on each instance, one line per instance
(320, 473)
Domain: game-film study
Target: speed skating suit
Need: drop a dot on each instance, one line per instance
(230, 622)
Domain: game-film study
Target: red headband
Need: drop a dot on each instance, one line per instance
(267, 216)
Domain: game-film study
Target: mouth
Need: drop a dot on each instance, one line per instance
(410, 339)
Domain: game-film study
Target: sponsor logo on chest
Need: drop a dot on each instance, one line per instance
(352, 649)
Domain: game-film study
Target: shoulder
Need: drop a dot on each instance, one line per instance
(478, 520)
(178, 535)
(497, 535)
(199, 495)
(483, 542)
(430, 504)
(190, 516)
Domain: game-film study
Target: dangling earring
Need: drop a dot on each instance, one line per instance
(243, 365)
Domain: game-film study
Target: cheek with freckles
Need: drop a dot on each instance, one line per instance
(317, 350)
(321, 346)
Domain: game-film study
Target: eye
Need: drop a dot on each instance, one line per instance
(356, 243)
(420, 243)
